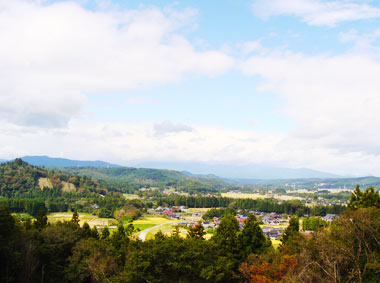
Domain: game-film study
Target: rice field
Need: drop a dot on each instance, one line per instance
(151, 220)
(92, 220)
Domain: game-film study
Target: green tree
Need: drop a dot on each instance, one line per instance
(105, 233)
(75, 218)
(291, 230)
(346, 252)
(226, 236)
(252, 239)
(86, 230)
(41, 219)
(9, 247)
(91, 261)
(197, 232)
(368, 198)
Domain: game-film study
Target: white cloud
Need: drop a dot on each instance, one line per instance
(334, 101)
(317, 12)
(166, 127)
(53, 54)
(127, 142)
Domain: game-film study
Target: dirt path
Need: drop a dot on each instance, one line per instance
(143, 234)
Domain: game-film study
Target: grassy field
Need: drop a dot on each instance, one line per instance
(256, 196)
(142, 227)
(92, 220)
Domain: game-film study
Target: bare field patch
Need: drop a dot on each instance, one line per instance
(44, 183)
(130, 196)
(102, 222)
(68, 187)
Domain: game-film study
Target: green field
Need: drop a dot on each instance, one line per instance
(142, 227)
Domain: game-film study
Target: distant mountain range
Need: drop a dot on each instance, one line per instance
(63, 162)
(203, 173)
(252, 171)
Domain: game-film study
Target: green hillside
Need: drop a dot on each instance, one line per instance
(140, 177)
(20, 179)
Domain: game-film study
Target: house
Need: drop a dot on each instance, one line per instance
(329, 217)
(197, 214)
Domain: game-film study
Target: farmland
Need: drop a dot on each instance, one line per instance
(257, 196)
(92, 220)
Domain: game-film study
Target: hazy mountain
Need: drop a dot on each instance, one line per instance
(63, 162)
(252, 171)
(3, 160)
(196, 169)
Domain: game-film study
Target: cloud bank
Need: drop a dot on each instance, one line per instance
(53, 55)
(317, 12)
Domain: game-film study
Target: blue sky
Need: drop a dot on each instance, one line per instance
(285, 83)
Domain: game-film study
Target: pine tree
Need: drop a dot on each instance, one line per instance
(41, 219)
(252, 239)
(197, 232)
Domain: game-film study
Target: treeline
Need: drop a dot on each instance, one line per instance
(265, 205)
(103, 207)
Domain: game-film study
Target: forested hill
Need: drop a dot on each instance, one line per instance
(20, 179)
(148, 177)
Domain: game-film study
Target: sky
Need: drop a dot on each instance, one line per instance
(292, 83)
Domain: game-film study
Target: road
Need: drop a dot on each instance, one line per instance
(143, 234)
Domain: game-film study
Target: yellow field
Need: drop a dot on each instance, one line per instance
(256, 196)
(92, 220)
(151, 220)
(167, 230)
(276, 243)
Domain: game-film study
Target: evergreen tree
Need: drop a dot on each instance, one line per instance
(291, 230)
(75, 218)
(226, 236)
(368, 198)
(41, 219)
(105, 233)
(87, 233)
(197, 232)
(252, 239)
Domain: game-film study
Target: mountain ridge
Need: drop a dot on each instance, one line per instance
(65, 162)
